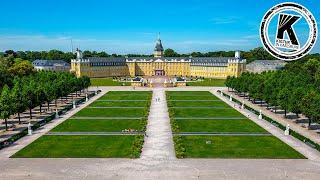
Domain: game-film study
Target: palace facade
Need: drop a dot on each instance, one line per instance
(158, 65)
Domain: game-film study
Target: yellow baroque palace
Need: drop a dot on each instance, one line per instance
(158, 65)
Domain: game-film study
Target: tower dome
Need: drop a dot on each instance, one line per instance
(158, 49)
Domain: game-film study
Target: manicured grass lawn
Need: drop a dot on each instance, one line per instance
(188, 93)
(107, 82)
(197, 104)
(99, 125)
(119, 104)
(86, 146)
(208, 82)
(204, 113)
(195, 146)
(244, 125)
(238, 147)
(125, 97)
(97, 146)
(210, 97)
(130, 93)
(111, 112)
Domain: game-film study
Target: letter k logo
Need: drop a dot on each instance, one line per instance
(285, 23)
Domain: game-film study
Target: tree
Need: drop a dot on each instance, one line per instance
(18, 98)
(283, 99)
(294, 103)
(6, 105)
(170, 53)
(31, 95)
(50, 94)
(21, 68)
(41, 94)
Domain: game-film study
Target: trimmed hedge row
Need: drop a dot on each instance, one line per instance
(137, 146)
(302, 138)
(179, 147)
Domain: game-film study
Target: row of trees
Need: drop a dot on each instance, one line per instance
(40, 88)
(48, 55)
(295, 89)
(254, 54)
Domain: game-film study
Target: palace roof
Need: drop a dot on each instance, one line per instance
(42, 62)
(195, 61)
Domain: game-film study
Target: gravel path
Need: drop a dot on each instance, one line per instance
(158, 142)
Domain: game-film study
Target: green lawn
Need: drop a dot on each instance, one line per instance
(112, 112)
(188, 93)
(208, 82)
(194, 146)
(119, 104)
(125, 97)
(238, 147)
(204, 98)
(245, 125)
(107, 82)
(204, 113)
(130, 93)
(85, 146)
(197, 104)
(97, 146)
(99, 125)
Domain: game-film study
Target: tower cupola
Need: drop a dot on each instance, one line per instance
(158, 50)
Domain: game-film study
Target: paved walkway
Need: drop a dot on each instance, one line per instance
(158, 143)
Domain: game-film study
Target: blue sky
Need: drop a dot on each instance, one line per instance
(119, 26)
